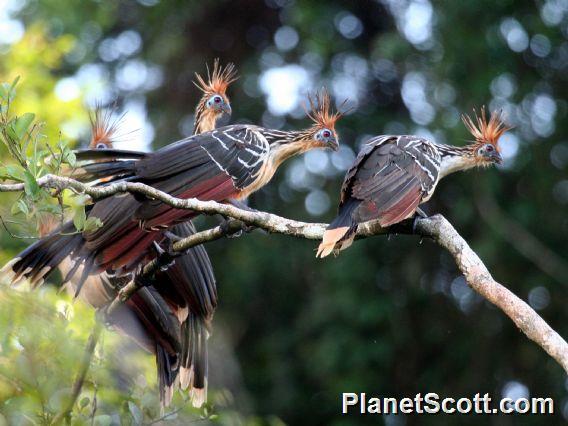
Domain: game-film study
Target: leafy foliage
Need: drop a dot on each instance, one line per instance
(388, 317)
(32, 158)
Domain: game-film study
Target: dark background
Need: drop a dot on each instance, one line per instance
(390, 317)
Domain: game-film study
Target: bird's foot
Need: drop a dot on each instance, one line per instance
(140, 279)
(419, 215)
(165, 257)
(170, 236)
(235, 228)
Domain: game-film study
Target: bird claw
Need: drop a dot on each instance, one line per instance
(140, 279)
(419, 215)
(165, 258)
(235, 228)
(235, 234)
(172, 237)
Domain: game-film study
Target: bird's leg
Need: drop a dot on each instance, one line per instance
(140, 279)
(172, 237)
(165, 258)
(419, 215)
(229, 228)
(233, 228)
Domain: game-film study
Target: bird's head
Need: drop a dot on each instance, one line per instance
(214, 104)
(104, 128)
(485, 148)
(322, 133)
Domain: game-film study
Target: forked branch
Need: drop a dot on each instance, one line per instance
(436, 227)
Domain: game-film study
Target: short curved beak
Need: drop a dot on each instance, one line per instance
(333, 144)
(496, 157)
(226, 108)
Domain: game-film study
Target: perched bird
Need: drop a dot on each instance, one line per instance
(214, 105)
(172, 316)
(228, 163)
(393, 175)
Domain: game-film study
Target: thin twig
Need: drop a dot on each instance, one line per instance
(165, 416)
(180, 247)
(18, 237)
(83, 369)
(94, 410)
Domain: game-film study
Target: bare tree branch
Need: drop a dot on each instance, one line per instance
(436, 227)
(180, 246)
(479, 278)
(83, 369)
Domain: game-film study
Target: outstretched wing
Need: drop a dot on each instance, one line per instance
(391, 177)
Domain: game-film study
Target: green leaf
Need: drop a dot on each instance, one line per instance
(23, 123)
(50, 208)
(11, 131)
(15, 172)
(80, 218)
(8, 91)
(19, 206)
(136, 413)
(70, 158)
(5, 91)
(31, 186)
(14, 83)
(84, 402)
(92, 223)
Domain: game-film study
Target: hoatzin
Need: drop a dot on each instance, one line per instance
(393, 175)
(225, 164)
(171, 317)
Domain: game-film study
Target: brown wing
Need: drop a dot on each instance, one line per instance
(391, 178)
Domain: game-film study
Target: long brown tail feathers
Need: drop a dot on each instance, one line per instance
(41, 258)
(167, 375)
(194, 362)
(340, 232)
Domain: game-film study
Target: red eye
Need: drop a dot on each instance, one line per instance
(326, 133)
(217, 99)
(489, 148)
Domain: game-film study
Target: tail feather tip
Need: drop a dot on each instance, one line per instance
(198, 396)
(7, 271)
(331, 237)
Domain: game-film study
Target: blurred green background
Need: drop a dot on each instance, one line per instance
(390, 317)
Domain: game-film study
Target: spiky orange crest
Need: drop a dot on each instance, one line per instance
(320, 111)
(218, 80)
(486, 131)
(104, 128)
